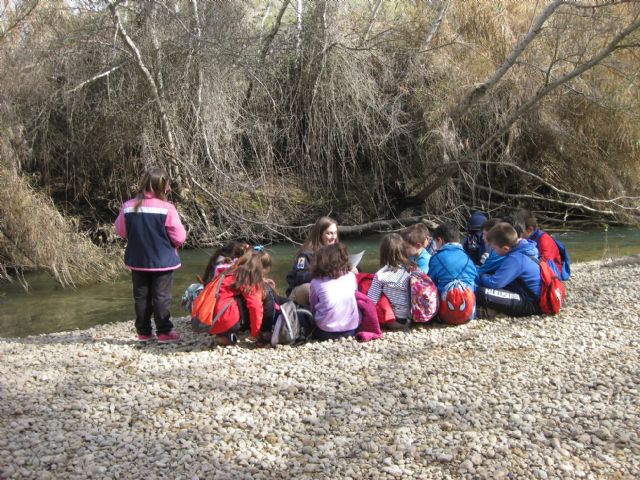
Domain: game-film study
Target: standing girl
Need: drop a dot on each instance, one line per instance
(240, 300)
(333, 294)
(153, 229)
(324, 232)
(393, 279)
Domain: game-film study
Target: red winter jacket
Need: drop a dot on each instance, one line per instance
(231, 315)
(547, 248)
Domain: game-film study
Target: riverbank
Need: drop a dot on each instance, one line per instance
(535, 398)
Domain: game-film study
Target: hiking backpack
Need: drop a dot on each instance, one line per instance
(565, 273)
(552, 291)
(424, 297)
(202, 319)
(292, 326)
(457, 303)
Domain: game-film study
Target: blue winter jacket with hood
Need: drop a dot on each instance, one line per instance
(452, 263)
(517, 265)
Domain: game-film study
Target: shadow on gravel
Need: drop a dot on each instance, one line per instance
(194, 342)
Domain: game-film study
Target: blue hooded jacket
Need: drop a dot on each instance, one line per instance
(452, 263)
(492, 263)
(516, 265)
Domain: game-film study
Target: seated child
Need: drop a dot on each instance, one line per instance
(454, 274)
(220, 261)
(393, 279)
(474, 243)
(547, 247)
(517, 222)
(515, 287)
(324, 232)
(415, 238)
(332, 294)
(240, 300)
(490, 261)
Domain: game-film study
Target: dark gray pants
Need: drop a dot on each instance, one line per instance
(152, 294)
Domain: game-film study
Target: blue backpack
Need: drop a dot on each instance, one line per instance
(565, 274)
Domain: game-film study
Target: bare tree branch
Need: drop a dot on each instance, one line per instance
(450, 169)
(372, 20)
(22, 11)
(545, 199)
(435, 25)
(481, 90)
(97, 77)
(153, 87)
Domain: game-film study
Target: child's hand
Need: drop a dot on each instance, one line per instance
(354, 270)
(270, 282)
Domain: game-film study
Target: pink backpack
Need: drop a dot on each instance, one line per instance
(424, 297)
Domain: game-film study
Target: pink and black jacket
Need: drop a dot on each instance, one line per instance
(154, 232)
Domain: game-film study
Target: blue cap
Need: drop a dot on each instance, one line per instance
(476, 220)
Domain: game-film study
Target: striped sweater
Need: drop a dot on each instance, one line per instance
(394, 283)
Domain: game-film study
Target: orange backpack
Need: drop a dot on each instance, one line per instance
(202, 319)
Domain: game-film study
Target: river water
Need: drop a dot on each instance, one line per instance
(48, 308)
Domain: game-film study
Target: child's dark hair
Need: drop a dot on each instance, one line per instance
(415, 234)
(392, 252)
(314, 239)
(489, 224)
(330, 261)
(503, 235)
(248, 270)
(448, 232)
(516, 221)
(156, 181)
(529, 219)
(226, 253)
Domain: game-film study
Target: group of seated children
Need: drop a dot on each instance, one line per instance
(497, 268)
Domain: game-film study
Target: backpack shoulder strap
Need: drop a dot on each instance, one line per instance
(442, 264)
(536, 236)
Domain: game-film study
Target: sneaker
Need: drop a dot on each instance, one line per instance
(170, 337)
(144, 338)
(263, 340)
(226, 340)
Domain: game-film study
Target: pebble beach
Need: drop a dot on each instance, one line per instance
(538, 398)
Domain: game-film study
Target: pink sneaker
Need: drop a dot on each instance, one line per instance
(170, 337)
(145, 338)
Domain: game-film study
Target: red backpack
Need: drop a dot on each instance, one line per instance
(552, 291)
(202, 319)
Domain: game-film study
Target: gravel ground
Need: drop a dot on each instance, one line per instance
(538, 398)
